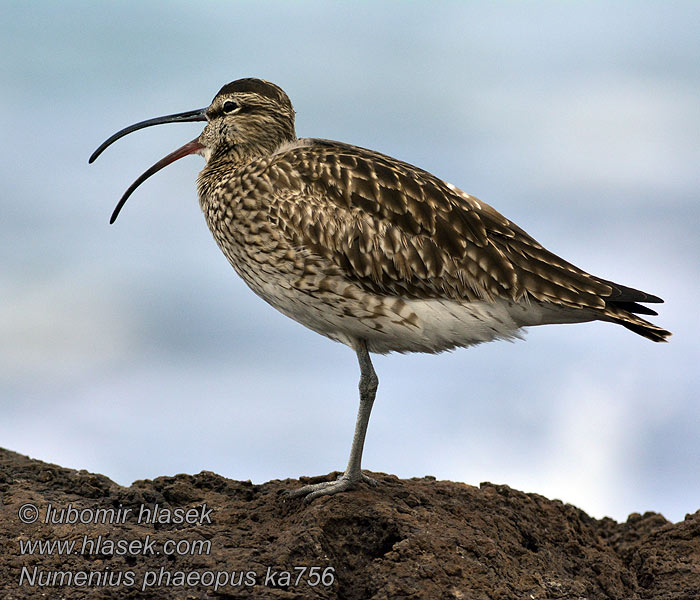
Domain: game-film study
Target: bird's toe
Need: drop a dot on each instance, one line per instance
(329, 488)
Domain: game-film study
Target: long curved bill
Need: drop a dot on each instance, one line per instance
(189, 148)
(183, 117)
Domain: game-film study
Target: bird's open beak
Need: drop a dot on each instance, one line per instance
(189, 148)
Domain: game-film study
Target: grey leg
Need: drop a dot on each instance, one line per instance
(353, 474)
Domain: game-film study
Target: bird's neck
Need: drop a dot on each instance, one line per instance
(241, 153)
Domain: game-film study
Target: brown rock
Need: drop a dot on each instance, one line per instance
(417, 538)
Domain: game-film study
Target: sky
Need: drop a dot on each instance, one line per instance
(135, 351)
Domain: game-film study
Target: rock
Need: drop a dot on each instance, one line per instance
(204, 536)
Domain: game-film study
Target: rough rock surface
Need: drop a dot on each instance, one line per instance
(417, 538)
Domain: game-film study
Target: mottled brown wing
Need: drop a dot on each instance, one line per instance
(396, 229)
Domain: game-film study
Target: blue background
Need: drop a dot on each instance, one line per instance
(135, 351)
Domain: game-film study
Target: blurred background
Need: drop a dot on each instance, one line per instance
(135, 351)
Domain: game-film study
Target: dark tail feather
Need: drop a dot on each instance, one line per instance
(633, 307)
(647, 330)
(622, 304)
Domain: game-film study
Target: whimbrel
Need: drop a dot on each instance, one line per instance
(371, 251)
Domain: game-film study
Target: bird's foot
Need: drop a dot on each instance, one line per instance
(327, 488)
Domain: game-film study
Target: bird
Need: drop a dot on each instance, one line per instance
(371, 251)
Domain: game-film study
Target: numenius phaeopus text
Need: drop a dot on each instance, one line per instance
(371, 251)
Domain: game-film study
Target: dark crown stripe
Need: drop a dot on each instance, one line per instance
(256, 86)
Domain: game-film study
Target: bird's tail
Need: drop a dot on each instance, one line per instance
(642, 327)
(623, 307)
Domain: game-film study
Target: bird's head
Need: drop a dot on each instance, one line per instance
(248, 118)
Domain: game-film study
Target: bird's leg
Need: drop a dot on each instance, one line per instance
(353, 474)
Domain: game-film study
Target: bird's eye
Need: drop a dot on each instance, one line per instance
(230, 107)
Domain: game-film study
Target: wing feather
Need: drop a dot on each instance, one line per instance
(395, 229)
